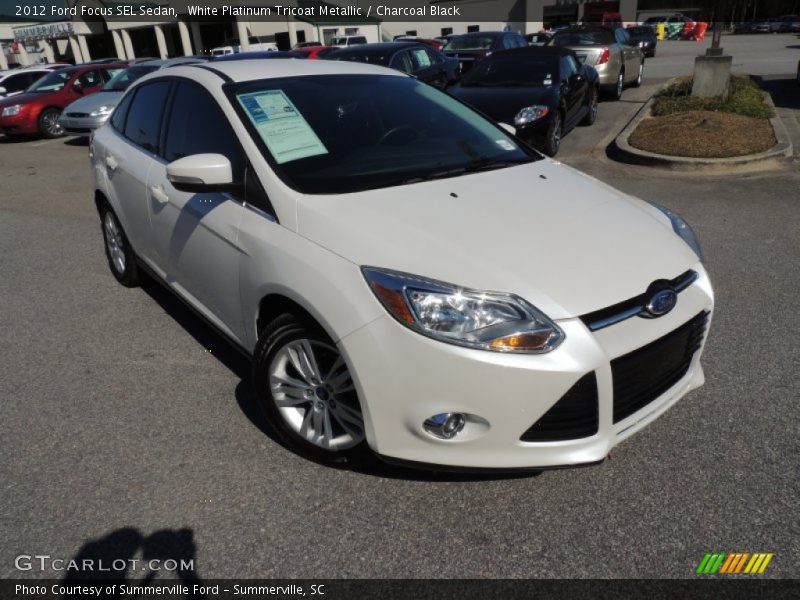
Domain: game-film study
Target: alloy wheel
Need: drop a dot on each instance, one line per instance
(51, 126)
(114, 243)
(620, 84)
(314, 393)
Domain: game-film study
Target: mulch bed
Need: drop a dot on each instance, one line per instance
(703, 134)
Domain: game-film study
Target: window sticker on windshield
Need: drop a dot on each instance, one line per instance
(505, 144)
(284, 130)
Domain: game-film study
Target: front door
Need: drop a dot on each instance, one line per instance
(196, 234)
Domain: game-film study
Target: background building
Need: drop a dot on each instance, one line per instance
(80, 40)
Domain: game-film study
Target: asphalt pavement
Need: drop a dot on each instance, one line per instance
(126, 423)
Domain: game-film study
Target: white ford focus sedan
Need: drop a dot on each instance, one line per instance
(410, 280)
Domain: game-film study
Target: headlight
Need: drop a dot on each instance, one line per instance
(484, 320)
(683, 229)
(103, 111)
(529, 114)
(10, 111)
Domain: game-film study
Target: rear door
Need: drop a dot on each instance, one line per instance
(131, 150)
(196, 234)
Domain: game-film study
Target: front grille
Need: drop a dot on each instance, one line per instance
(645, 374)
(77, 115)
(574, 416)
(634, 306)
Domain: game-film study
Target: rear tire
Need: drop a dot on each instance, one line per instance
(120, 255)
(48, 123)
(305, 390)
(620, 86)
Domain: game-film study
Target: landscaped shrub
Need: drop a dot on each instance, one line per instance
(745, 98)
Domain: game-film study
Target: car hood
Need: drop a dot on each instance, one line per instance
(564, 241)
(95, 101)
(24, 98)
(503, 103)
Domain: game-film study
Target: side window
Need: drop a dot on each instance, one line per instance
(568, 67)
(118, 116)
(420, 59)
(508, 42)
(192, 107)
(90, 79)
(434, 56)
(16, 83)
(401, 62)
(144, 115)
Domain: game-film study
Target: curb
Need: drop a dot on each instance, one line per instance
(622, 151)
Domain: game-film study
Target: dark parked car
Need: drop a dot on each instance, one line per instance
(259, 54)
(544, 92)
(472, 47)
(422, 61)
(538, 39)
(646, 38)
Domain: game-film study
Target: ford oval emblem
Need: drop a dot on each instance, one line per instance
(661, 302)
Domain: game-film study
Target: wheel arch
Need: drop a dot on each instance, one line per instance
(275, 304)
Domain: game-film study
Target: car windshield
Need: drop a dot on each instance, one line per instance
(330, 134)
(470, 42)
(582, 38)
(123, 79)
(509, 71)
(53, 82)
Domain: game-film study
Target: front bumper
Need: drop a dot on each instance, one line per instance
(403, 378)
(80, 125)
(19, 124)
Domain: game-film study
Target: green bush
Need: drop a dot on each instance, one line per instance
(745, 98)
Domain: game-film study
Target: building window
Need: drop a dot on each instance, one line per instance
(351, 30)
(473, 28)
(411, 32)
(447, 31)
(301, 36)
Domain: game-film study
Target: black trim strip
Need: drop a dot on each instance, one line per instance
(225, 78)
(423, 466)
(634, 306)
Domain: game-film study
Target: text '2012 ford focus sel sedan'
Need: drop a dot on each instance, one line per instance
(409, 279)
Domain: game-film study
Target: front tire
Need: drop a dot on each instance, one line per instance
(305, 390)
(640, 75)
(554, 134)
(591, 116)
(48, 123)
(120, 255)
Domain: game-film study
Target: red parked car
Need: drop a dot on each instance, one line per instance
(315, 52)
(36, 111)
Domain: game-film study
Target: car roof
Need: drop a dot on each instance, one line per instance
(253, 70)
(379, 47)
(586, 29)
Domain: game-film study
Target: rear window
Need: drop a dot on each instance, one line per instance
(582, 38)
(470, 42)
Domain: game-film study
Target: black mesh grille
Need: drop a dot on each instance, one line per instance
(644, 374)
(573, 416)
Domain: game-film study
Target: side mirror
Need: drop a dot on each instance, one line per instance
(3, 91)
(77, 87)
(508, 128)
(201, 173)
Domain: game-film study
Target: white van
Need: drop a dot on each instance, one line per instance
(348, 40)
(233, 46)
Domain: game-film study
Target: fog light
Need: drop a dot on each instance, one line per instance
(445, 426)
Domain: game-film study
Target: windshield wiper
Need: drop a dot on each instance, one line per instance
(483, 164)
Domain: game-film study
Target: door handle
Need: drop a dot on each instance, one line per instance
(159, 195)
(111, 163)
